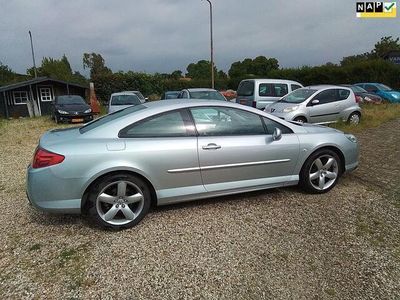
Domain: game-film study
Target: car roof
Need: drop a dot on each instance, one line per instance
(201, 90)
(325, 86)
(272, 80)
(123, 93)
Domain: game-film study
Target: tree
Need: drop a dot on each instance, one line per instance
(259, 66)
(200, 70)
(96, 63)
(385, 45)
(6, 74)
(176, 74)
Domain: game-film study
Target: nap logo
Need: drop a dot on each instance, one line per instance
(376, 9)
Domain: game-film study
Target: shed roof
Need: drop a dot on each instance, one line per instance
(37, 80)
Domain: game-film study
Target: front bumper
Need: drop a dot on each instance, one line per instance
(49, 193)
(71, 118)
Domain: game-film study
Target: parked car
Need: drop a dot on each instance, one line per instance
(140, 96)
(165, 152)
(261, 92)
(71, 108)
(170, 95)
(381, 90)
(320, 104)
(362, 96)
(122, 100)
(229, 95)
(201, 93)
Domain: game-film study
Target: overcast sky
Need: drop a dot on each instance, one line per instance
(165, 35)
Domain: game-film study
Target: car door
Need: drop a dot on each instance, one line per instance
(327, 110)
(165, 148)
(236, 151)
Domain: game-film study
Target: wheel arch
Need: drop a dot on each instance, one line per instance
(99, 177)
(333, 148)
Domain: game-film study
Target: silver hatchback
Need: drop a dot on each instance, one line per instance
(320, 104)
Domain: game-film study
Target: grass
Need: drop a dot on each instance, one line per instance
(372, 116)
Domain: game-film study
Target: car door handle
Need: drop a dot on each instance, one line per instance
(211, 146)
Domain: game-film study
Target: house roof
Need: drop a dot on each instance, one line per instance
(37, 80)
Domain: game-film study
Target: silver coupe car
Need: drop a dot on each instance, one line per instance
(165, 152)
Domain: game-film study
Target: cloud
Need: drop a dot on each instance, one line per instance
(165, 35)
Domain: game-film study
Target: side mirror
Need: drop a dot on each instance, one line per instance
(315, 102)
(277, 135)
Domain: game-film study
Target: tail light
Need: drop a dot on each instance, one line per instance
(358, 99)
(44, 158)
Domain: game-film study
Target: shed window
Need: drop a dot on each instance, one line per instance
(45, 94)
(20, 97)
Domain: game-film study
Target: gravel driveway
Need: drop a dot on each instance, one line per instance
(275, 244)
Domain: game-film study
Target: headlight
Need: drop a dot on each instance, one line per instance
(290, 109)
(351, 138)
(63, 112)
(88, 111)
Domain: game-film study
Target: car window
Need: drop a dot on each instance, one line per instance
(326, 96)
(371, 88)
(111, 117)
(295, 87)
(170, 124)
(209, 95)
(271, 125)
(343, 94)
(298, 96)
(125, 100)
(246, 88)
(220, 121)
(272, 89)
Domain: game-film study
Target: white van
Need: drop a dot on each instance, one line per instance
(261, 92)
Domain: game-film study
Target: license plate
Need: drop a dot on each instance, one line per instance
(77, 120)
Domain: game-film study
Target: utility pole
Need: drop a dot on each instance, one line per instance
(33, 54)
(212, 45)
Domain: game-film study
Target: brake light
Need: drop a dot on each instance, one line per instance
(44, 158)
(358, 99)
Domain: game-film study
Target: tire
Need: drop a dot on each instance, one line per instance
(316, 175)
(300, 119)
(119, 201)
(354, 118)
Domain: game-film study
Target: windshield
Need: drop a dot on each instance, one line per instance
(246, 88)
(125, 100)
(211, 95)
(110, 117)
(383, 87)
(357, 89)
(70, 100)
(298, 96)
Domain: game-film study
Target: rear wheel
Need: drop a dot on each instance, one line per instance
(320, 172)
(354, 118)
(119, 201)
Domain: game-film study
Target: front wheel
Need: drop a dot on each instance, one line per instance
(320, 172)
(300, 120)
(119, 201)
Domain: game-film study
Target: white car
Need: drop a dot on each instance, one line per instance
(122, 100)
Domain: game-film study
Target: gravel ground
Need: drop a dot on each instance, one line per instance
(274, 244)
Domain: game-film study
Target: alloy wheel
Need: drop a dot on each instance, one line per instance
(324, 172)
(354, 119)
(120, 202)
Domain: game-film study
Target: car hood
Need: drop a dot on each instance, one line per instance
(394, 94)
(73, 107)
(311, 128)
(278, 107)
(57, 136)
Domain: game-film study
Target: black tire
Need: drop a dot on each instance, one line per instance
(134, 185)
(310, 168)
(300, 119)
(353, 116)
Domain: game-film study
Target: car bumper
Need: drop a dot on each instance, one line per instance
(46, 192)
(75, 118)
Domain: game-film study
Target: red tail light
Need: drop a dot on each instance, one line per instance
(44, 158)
(358, 99)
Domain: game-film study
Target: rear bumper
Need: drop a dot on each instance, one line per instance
(49, 193)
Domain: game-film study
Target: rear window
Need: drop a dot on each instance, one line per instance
(210, 95)
(246, 88)
(125, 100)
(110, 117)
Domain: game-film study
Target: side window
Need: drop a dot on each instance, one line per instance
(271, 125)
(170, 124)
(326, 96)
(295, 87)
(343, 94)
(371, 88)
(265, 90)
(220, 121)
(280, 89)
(185, 94)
